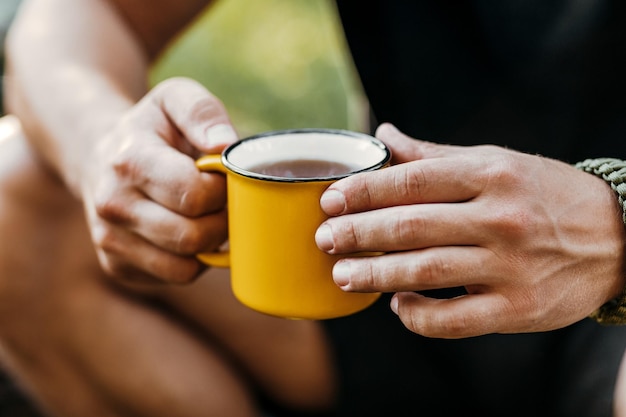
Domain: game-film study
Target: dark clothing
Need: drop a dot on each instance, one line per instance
(13, 401)
(386, 370)
(539, 76)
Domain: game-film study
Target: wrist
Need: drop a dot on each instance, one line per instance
(613, 171)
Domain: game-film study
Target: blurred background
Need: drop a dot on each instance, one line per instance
(274, 63)
(7, 11)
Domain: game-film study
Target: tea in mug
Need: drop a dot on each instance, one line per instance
(302, 168)
(275, 181)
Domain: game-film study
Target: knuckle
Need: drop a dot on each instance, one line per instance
(454, 326)
(366, 274)
(415, 322)
(105, 239)
(346, 236)
(206, 108)
(407, 229)
(512, 221)
(441, 324)
(108, 249)
(358, 194)
(195, 203)
(199, 197)
(113, 267)
(411, 180)
(460, 323)
(111, 208)
(430, 271)
(127, 165)
(205, 233)
(447, 325)
(202, 106)
(352, 236)
(529, 305)
(505, 171)
(190, 203)
(190, 241)
(124, 167)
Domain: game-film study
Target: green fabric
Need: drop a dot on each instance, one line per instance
(613, 171)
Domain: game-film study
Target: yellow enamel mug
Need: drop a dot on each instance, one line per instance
(274, 184)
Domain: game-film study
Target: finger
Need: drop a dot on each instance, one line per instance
(198, 114)
(183, 188)
(405, 148)
(404, 228)
(460, 317)
(433, 268)
(169, 178)
(179, 235)
(125, 255)
(175, 233)
(437, 180)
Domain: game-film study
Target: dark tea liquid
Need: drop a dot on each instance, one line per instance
(302, 168)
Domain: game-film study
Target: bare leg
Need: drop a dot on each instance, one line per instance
(64, 327)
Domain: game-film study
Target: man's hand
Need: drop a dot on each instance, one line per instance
(149, 208)
(536, 243)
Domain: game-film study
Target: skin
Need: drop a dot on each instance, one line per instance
(129, 157)
(516, 230)
(131, 349)
(528, 248)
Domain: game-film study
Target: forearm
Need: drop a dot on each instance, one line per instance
(68, 91)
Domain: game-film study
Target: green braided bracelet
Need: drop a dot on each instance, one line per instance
(612, 171)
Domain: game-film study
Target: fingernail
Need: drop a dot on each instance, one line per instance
(324, 238)
(341, 274)
(220, 135)
(394, 303)
(333, 202)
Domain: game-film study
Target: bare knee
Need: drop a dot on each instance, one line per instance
(33, 207)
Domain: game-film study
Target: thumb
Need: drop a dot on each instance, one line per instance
(405, 148)
(197, 114)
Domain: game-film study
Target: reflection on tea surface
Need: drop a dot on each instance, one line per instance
(302, 168)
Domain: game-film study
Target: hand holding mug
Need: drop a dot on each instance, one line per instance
(536, 243)
(148, 207)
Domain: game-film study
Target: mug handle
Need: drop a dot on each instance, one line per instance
(219, 259)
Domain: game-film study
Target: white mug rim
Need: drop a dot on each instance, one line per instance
(376, 143)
